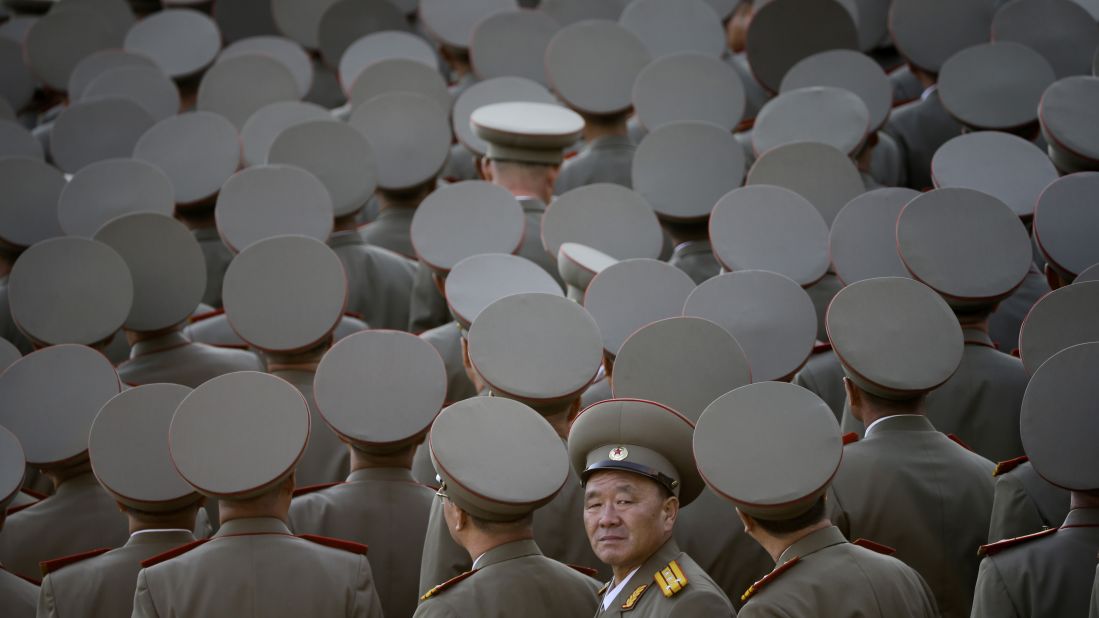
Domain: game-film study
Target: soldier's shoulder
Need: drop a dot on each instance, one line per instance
(447, 585)
(344, 546)
(56, 564)
(998, 547)
(175, 552)
(769, 579)
(311, 489)
(1007, 466)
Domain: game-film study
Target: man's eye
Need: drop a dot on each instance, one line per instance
(593, 505)
(624, 501)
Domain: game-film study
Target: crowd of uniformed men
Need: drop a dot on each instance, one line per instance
(574, 308)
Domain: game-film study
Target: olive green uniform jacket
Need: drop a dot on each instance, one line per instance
(513, 579)
(912, 488)
(255, 567)
(80, 516)
(1048, 574)
(379, 281)
(980, 403)
(174, 359)
(668, 584)
(709, 531)
(18, 596)
(1024, 502)
(605, 159)
(383, 508)
(823, 574)
(558, 528)
(102, 585)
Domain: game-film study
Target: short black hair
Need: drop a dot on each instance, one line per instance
(783, 527)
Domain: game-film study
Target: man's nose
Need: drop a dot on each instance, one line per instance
(609, 517)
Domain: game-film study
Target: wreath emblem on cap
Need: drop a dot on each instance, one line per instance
(618, 453)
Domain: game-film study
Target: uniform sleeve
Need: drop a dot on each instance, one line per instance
(435, 608)
(762, 610)
(990, 597)
(711, 605)
(47, 606)
(1013, 512)
(366, 603)
(1094, 611)
(143, 598)
(443, 559)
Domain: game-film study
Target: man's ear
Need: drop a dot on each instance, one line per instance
(486, 168)
(854, 398)
(574, 410)
(551, 178)
(471, 372)
(747, 521)
(478, 166)
(671, 512)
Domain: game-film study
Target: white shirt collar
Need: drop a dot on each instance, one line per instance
(159, 530)
(473, 567)
(613, 592)
(867, 432)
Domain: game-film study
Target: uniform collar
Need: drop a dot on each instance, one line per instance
(899, 422)
(644, 574)
(78, 484)
(507, 551)
(252, 525)
(345, 238)
(206, 233)
(976, 336)
(531, 204)
(610, 142)
(174, 537)
(381, 474)
(812, 542)
(396, 212)
(167, 341)
(693, 246)
(1082, 518)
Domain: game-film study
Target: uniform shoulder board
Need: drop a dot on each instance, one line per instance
(49, 566)
(447, 584)
(959, 441)
(850, 438)
(1007, 466)
(172, 553)
(15, 509)
(872, 546)
(767, 579)
(37, 495)
(590, 572)
(635, 596)
(999, 546)
(198, 317)
(822, 346)
(327, 541)
(670, 579)
(308, 489)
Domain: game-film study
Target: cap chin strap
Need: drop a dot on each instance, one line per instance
(664, 480)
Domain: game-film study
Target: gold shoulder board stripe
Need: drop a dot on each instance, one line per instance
(670, 579)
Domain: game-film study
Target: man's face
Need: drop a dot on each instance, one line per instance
(627, 517)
